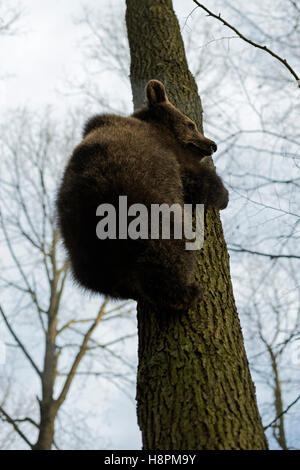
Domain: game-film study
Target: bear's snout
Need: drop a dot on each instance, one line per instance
(205, 146)
(213, 147)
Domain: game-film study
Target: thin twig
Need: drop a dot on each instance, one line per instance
(17, 429)
(249, 41)
(26, 353)
(258, 253)
(283, 412)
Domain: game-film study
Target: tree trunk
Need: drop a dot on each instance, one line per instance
(48, 406)
(278, 427)
(48, 412)
(194, 389)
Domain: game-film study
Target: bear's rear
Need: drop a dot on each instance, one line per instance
(122, 158)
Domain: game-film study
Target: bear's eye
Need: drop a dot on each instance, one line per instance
(191, 125)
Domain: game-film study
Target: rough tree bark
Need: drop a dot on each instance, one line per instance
(194, 389)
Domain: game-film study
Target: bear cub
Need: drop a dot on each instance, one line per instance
(155, 156)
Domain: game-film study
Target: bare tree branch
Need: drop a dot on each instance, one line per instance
(249, 41)
(258, 253)
(15, 426)
(80, 354)
(26, 353)
(285, 411)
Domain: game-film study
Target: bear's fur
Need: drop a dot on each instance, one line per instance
(155, 156)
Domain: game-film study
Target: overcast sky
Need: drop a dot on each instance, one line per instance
(47, 52)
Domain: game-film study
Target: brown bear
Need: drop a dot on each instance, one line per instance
(155, 156)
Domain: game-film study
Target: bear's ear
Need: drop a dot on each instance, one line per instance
(155, 92)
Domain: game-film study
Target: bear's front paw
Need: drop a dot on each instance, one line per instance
(223, 200)
(189, 296)
(217, 194)
(207, 162)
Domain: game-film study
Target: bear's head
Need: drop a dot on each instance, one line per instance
(160, 110)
